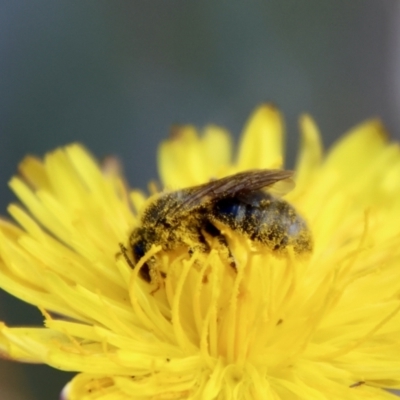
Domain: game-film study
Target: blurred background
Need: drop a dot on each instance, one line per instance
(116, 75)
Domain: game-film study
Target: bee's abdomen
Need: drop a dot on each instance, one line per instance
(265, 219)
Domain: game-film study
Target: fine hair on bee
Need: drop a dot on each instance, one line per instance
(244, 203)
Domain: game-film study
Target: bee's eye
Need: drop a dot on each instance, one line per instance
(138, 250)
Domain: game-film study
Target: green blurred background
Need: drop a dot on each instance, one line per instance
(116, 74)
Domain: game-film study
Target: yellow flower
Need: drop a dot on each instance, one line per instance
(320, 326)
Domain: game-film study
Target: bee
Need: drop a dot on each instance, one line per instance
(188, 218)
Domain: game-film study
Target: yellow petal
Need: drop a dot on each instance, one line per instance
(262, 141)
(32, 169)
(11, 348)
(243, 320)
(217, 150)
(179, 159)
(356, 150)
(310, 155)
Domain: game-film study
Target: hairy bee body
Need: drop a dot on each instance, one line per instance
(185, 218)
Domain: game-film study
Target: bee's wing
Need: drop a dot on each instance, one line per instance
(241, 183)
(280, 188)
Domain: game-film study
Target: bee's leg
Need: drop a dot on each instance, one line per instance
(124, 252)
(201, 245)
(213, 231)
